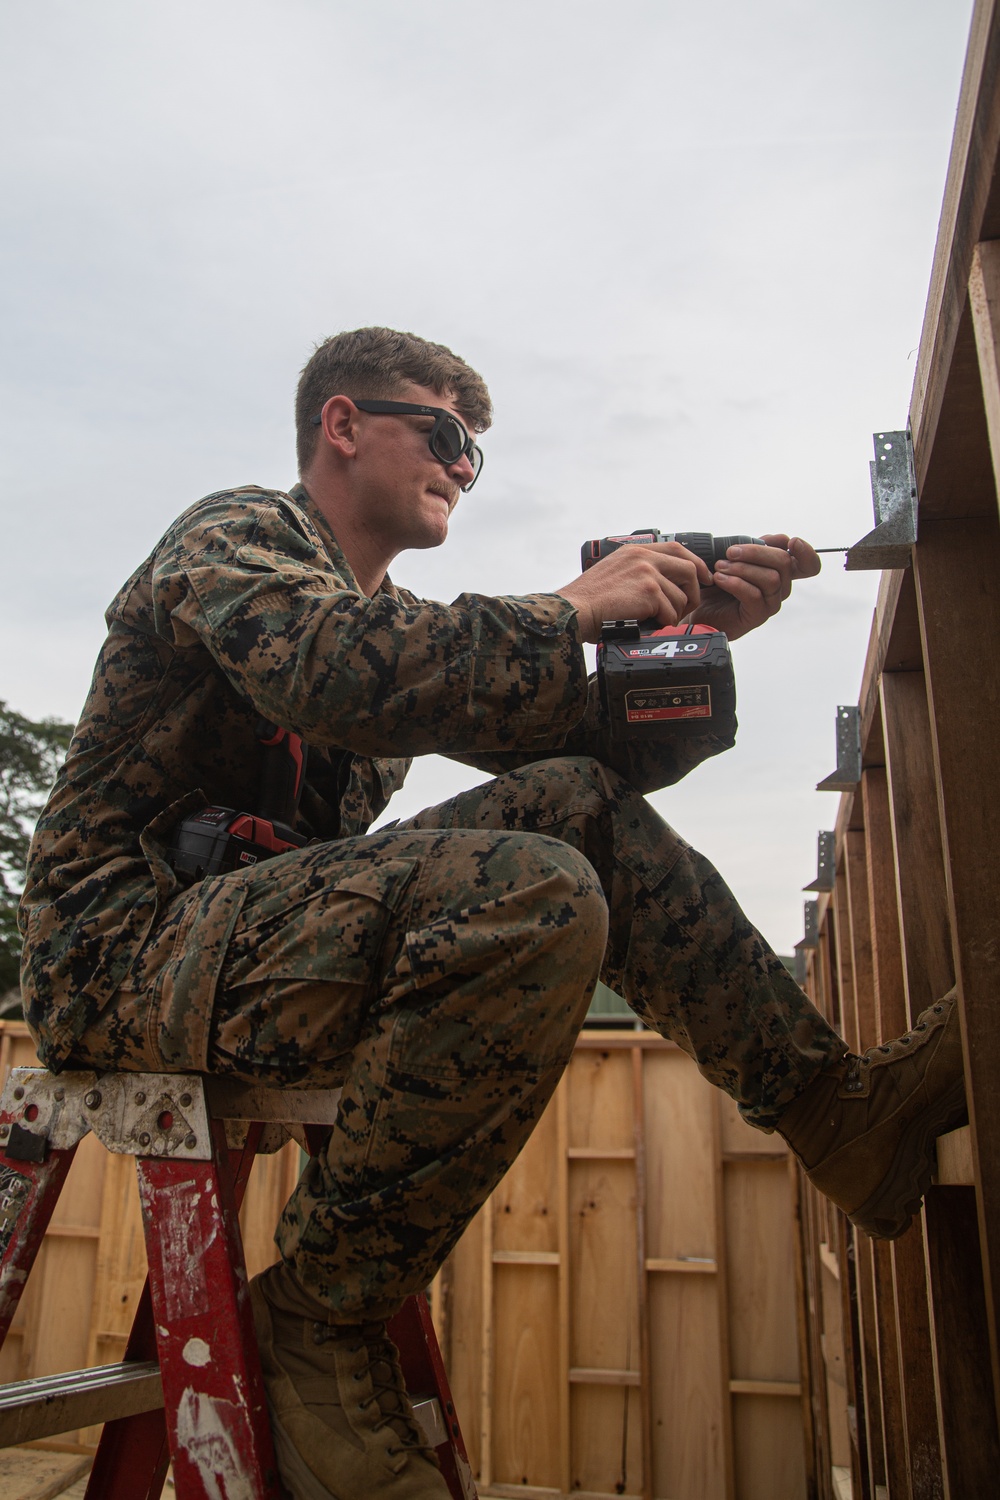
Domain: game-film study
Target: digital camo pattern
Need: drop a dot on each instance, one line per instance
(439, 969)
(247, 607)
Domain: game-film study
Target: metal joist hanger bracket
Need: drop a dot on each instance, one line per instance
(825, 863)
(894, 499)
(809, 940)
(848, 773)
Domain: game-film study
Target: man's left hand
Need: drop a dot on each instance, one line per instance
(752, 584)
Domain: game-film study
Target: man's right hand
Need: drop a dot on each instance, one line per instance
(659, 581)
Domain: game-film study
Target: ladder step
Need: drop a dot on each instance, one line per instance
(52, 1404)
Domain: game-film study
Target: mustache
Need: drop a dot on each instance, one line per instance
(449, 492)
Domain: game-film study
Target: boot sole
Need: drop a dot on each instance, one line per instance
(889, 1211)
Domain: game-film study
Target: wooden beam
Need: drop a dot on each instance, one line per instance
(929, 970)
(969, 214)
(488, 1353)
(765, 1388)
(853, 1359)
(584, 1375)
(887, 965)
(916, 1361)
(984, 301)
(642, 1285)
(957, 568)
(890, 1382)
(955, 1166)
(967, 1411)
(865, 1271)
(562, 1234)
(862, 1030)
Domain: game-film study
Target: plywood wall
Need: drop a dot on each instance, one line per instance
(78, 1305)
(621, 1316)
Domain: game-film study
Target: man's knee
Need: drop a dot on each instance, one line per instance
(514, 946)
(573, 905)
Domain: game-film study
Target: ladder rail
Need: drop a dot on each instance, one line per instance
(191, 1371)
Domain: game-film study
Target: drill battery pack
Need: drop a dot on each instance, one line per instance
(218, 839)
(660, 681)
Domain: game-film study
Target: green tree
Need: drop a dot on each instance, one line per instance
(30, 755)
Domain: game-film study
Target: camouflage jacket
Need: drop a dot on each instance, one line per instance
(247, 608)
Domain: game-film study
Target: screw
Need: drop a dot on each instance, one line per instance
(59, 1095)
(92, 1100)
(4, 1131)
(185, 1101)
(190, 1142)
(144, 1138)
(140, 1097)
(19, 1093)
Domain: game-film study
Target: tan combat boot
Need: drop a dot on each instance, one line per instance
(864, 1130)
(342, 1422)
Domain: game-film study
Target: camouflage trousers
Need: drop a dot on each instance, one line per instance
(441, 970)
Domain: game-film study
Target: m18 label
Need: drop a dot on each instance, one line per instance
(690, 702)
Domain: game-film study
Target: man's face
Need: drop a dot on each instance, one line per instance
(406, 495)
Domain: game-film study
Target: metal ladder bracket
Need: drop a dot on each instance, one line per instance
(132, 1114)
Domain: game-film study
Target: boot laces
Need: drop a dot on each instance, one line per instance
(388, 1391)
(853, 1083)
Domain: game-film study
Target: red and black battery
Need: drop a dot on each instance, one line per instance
(661, 681)
(218, 839)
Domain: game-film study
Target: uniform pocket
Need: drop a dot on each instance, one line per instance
(311, 915)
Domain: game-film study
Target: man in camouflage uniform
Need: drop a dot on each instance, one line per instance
(439, 969)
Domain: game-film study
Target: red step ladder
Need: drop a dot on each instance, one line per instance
(189, 1390)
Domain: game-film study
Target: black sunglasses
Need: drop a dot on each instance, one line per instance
(448, 439)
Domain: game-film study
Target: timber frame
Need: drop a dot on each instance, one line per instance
(915, 906)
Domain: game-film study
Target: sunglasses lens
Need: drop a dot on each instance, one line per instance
(449, 441)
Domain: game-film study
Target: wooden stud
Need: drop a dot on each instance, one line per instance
(803, 1276)
(916, 841)
(853, 1361)
(645, 1379)
(887, 967)
(916, 1357)
(984, 302)
(928, 974)
(967, 1411)
(867, 1318)
(724, 1305)
(843, 957)
(863, 1029)
(956, 570)
(946, 460)
(903, 1315)
(486, 1344)
(562, 1212)
(890, 1380)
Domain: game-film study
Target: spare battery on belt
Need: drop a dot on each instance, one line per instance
(666, 680)
(218, 839)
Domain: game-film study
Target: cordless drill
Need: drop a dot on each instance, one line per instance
(665, 680)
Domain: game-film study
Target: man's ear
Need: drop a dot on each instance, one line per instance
(339, 425)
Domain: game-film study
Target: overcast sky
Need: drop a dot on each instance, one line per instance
(688, 246)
